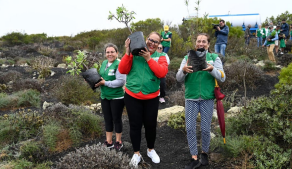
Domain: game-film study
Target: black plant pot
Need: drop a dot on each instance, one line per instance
(137, 43)
(197, 59)
(92, 77)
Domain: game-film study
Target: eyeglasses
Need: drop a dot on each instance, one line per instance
(159, 48)
(111, 52)
(153, 41)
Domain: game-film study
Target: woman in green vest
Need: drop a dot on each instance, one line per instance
(259, 35)
(199, 97)
(112, 96)
(142, 93)
(166, 39)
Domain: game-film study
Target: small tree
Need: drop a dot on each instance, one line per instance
(76, 64)
(123, 15)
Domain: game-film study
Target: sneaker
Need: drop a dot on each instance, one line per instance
(135, 160)
(281, 53)
(118, 146)
(193, 164)
(109, 146)
(153, 155)
(204, 159)
(161, 100)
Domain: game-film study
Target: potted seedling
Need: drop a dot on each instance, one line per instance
(79, 63)
(137, 39)
(197, 59)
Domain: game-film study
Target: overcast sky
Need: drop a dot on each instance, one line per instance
(69, 17)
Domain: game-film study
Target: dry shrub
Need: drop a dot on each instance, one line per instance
(235, 75)
(170, 80)
(178, 97)
(285, 60)
(43, 65)
(74, 90)
(63, 142)
(11, 75)
(95, 156)
(27, 84)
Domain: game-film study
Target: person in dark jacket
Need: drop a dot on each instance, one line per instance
(247, 35)
(221, 34)
(285, 28)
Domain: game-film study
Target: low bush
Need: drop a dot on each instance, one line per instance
(27, 84)
(95, 156)
(178, 97)
(170, 80)
(74, 90)
(177, 121)
(50, 133)
(174, 64)
(18, 99)
(285, 77)
(236, 76)
(11, 75)
(43, 65)
(269, 65)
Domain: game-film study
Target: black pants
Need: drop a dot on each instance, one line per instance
(162, 87)
(113, 110)
(142, 112)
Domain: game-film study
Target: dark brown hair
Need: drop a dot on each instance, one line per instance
(208, 39)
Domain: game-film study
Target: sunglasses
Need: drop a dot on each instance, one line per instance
(159, 48)
(153, 41)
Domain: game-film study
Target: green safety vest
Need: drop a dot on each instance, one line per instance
(165, 36)
(201, 83)
(270, 42)
(259, 33)
(141, 78)
(109, 75)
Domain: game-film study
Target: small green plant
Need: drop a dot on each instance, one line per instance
(76, 64)
(43, 65)
(269, 65)
(50, 132)
(177, 121)
(74, 90)
(285, 77)
(10, 62)
(30, 150)
(123, 15)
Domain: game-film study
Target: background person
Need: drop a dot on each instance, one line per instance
(221, 34)
(284, 28)
(199, 97)
(141, 94)
(259, 35)
(112, 96)
(162, 80)
(277, 50)
(166, 39)
(270, 43)
(265, 31)
(247, 34)
(290, 32)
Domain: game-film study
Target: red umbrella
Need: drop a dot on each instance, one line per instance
(220, 109)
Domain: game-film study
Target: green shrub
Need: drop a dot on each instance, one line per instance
(21, 164)
(15, 38)
(177, 121)
(175, 64)
(269, 65)
(10, 62)
(74, 90)
(27, 84)
(285, 77)
(87, 121)
(30, 150)
(50, 132)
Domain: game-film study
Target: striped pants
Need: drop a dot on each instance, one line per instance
(192, 108)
